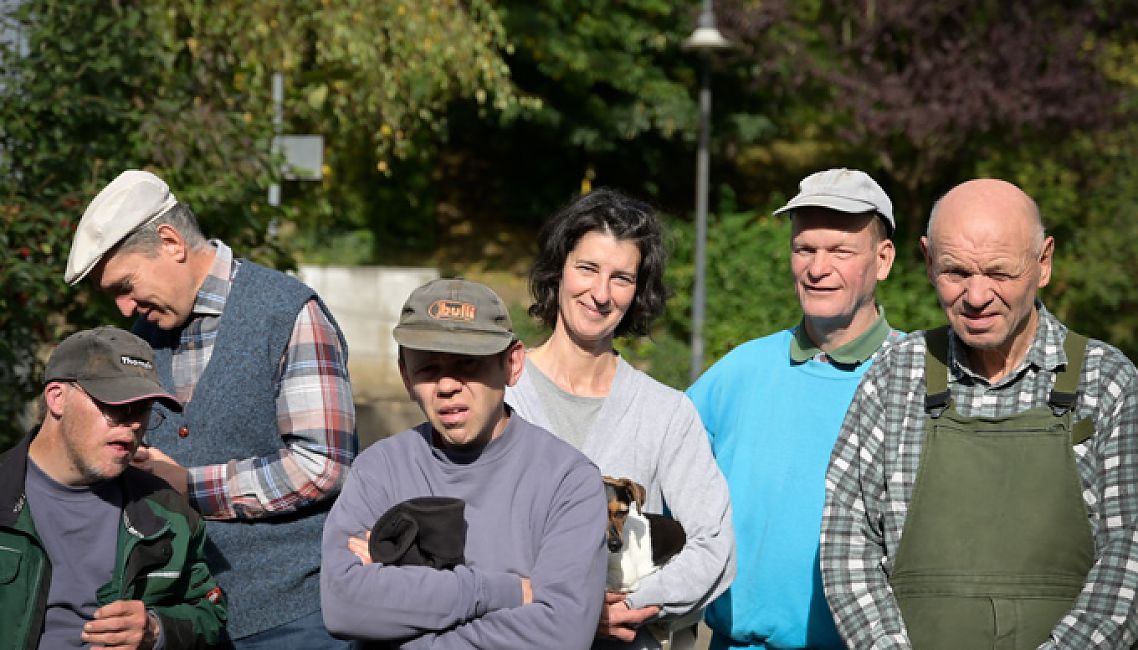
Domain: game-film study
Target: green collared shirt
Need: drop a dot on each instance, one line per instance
(857, 351)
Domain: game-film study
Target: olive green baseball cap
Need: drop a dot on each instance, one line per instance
(455, 316)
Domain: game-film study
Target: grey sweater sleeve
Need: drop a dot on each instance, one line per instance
(696, 495)
(393, 602)
(568, 580)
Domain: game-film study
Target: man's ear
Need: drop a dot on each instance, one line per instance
(515, 362)
(886, 253)
(1046, 253)
(928, 259)
(53, 399)
(172, 242)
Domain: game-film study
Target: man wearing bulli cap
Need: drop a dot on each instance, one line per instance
(94, 552)
(533, 551)
(268, 430)
(773, 407)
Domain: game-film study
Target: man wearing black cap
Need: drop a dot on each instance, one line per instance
(533, 545)
(268, 430)
(773, 407)
(92, 550)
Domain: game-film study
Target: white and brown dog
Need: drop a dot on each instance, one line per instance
(638, 542)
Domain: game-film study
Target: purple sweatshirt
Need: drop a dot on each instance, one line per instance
(535, 507)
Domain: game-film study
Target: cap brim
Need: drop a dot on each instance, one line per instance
(124, 390)
(477, 344)
(839, 203)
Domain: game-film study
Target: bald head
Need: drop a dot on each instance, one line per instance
(987, 257)
(984, 196)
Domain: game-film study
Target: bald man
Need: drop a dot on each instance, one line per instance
(983, 492)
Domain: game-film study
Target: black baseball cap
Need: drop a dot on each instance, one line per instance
(112, 365)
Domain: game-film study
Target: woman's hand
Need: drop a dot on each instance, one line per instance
(619, 621)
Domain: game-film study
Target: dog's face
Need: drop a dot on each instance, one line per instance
(621, 493)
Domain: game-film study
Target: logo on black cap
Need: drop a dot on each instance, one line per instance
(134, 361)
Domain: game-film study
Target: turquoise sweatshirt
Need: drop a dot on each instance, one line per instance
(772, 422)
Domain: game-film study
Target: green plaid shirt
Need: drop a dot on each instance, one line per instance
(874, 464)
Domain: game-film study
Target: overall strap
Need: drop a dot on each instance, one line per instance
(936, 370)
(1065, 391)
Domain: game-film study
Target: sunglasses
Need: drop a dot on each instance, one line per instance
(127, 414)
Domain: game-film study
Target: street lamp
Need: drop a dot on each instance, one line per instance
(704, 40)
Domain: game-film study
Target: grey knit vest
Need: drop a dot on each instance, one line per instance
(269, 568)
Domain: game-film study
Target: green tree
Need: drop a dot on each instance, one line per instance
(374, 79)
(612, 104)
(98, 89)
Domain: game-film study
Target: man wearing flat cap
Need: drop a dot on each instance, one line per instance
(533, 548)
(773, 407)
(268, 429)
(94, 552)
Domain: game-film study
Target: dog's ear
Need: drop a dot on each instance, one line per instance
(635, 489)
(637, 493)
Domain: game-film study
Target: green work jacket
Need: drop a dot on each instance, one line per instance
(160, 560)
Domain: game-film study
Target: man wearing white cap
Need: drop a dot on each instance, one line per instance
(268, 431)
(94, 552)
(773, 407)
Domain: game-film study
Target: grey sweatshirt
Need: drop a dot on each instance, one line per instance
(535, 507)
(652, 434)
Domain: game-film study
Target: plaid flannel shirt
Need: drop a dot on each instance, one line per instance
(874, 464)
(315, 413)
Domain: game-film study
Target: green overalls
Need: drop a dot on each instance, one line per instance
(996, 545)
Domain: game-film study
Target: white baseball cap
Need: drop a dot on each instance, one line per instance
(844, 190)
(124, 205)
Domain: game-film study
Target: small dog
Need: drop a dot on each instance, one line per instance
(638, 543)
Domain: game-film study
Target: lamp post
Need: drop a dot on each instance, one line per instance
(704, 40)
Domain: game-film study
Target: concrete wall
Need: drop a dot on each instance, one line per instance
(366, 301)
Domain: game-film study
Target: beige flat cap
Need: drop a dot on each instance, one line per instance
(125, 204)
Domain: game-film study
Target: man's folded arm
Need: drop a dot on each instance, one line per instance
(568, 581)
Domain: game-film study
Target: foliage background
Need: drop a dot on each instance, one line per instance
(453, 127)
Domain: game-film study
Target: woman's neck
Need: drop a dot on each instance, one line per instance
(587, 372)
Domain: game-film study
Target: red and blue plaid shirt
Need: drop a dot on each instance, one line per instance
(315, 414)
